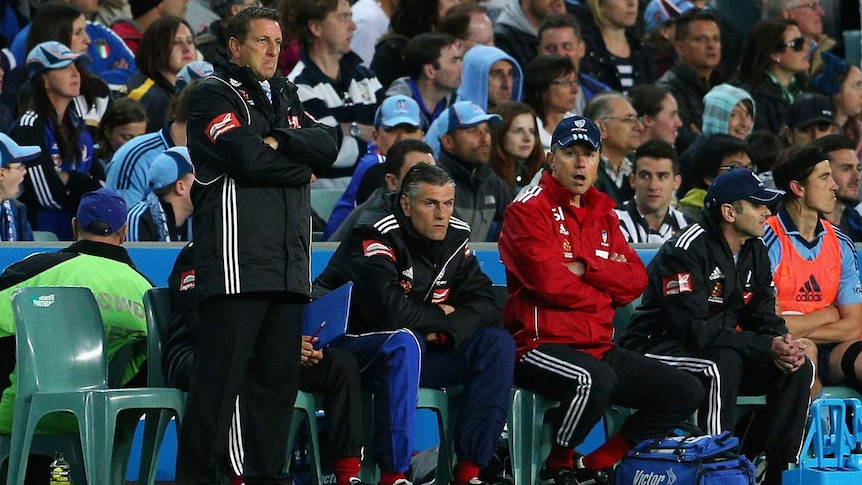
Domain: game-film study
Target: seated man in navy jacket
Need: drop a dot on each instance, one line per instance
(420, 292)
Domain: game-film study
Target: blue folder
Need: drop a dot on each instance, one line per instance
(327, 316)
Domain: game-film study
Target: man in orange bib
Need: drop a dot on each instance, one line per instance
(814, 268)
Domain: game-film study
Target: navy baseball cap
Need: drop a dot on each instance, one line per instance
(11, 152)
(465, 114)
(738, 184)
(574, 129)
(398, 110)
(101, 212)
(190, 72)
(808, 109)
(52, 55)
(168, 167)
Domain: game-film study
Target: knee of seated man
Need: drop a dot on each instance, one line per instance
(403, 342)
(498, 342)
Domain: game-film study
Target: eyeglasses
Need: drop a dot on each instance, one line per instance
(733, 165)
(630, 119)
(810, 5)
(796, 44)
(564, 82)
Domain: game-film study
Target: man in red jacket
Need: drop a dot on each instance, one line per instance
(567, 267)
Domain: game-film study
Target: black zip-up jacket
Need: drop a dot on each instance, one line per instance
(401, 277)
(252, 203)
(598, 64)
(771, 107)
(699, 297)
(688, 89)
(481, 196)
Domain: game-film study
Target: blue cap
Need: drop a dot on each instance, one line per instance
(465, 114)
(739, 184)
(397, 110)
(52, 55)
(190, 72)
(661, 11)
(101, 212)
(168, 167)
(574, 129)
(11, 152)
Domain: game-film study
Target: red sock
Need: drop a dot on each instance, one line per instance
(465, 471)
(560, 457)
(388, 478)
(609, 453)
(345, 469)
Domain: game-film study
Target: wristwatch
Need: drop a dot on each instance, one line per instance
(354, 129)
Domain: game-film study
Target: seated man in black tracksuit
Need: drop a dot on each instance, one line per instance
(709, 309)
(336, 376)
(418, 283)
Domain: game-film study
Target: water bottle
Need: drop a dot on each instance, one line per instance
(60, 470)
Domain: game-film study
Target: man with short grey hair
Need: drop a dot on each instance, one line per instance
(621, 131)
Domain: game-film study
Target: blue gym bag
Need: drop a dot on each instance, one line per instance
(686, 460)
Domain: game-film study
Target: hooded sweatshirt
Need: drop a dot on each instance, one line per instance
(514, 34)
(474, 78)
(717, 105)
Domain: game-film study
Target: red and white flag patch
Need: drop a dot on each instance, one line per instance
(678, 283)
(187, 280)
(440, 295)
(374, 247)
(222, 124)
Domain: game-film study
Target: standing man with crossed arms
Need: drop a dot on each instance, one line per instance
(254, 151)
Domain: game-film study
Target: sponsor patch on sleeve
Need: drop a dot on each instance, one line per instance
(677, 283)
(187, 280)
(374, 247)
(440, 295)
(222, 124)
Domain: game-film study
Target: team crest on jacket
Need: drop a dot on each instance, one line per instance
(440, 295)
(717, 294)
(222, 124)
(374, 247)
(407, 285)
(605, 238)
(293, 121)
(677, 283)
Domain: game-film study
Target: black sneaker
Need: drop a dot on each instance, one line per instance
(585, 476)
(562, 476)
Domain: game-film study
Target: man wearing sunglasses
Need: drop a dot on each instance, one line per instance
(808, 15)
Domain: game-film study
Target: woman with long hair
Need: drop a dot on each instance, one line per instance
(551, 89)
(615, 56)
(54, 185)
(167, 46)
(516, 151)
(65, 23)
(124, 120)
(772, 69)
(842, 82)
